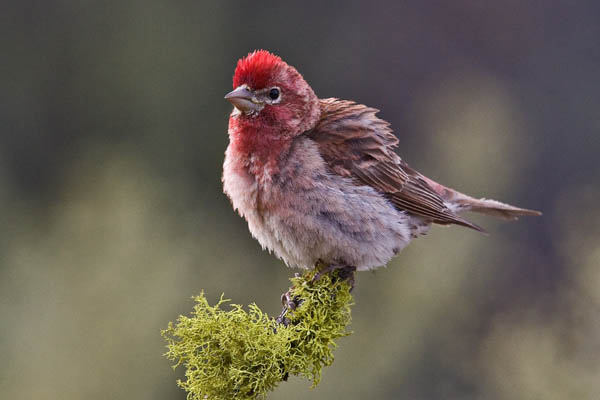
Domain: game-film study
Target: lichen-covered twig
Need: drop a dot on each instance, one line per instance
(239, 354)
(291, 302)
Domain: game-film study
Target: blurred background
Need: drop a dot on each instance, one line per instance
(113, 128)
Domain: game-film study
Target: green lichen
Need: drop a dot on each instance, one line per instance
(239, 354)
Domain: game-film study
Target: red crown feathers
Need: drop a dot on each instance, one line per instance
(257, 69)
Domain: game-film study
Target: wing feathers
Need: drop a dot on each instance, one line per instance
(355, 143)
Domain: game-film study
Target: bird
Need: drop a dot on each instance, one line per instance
(319, 180)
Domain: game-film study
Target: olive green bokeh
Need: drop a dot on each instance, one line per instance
(112, 133)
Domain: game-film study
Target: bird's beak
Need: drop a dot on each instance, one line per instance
(243, 99)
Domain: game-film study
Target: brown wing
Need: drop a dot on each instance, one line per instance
(357, 144)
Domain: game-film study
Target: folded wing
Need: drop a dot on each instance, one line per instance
(356, 144)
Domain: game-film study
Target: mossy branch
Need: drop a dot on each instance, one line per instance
(239, 354)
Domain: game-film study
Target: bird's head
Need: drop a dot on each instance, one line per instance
(270, 94)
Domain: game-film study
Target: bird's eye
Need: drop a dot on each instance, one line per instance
(274, 94)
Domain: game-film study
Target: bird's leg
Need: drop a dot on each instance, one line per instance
(324, 269)
(345, 272)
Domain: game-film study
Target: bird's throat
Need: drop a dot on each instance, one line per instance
(259, 150)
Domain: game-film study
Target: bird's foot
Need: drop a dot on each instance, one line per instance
(289, 303)
(344, 272)
(347, 274)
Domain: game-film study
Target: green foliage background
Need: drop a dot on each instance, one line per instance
(112, 133)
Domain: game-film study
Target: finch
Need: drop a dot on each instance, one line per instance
(318, 180)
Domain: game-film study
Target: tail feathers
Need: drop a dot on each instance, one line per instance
(462, 202)
(458, 202)
(495, 208)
